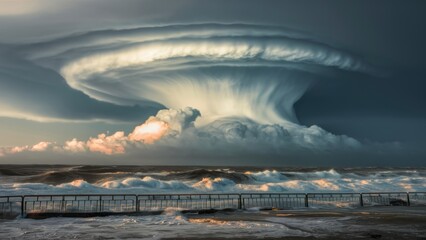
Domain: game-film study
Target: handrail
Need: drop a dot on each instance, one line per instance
(124, 203)
(195, 193)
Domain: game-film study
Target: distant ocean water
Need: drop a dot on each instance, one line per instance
(48, 179)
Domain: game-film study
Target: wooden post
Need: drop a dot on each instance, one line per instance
(361, 201)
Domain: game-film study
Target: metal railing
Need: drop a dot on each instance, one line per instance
(188, 201)
(273, 200)
(386, 199)
(79, 203)
(13, 206)
(321, 200)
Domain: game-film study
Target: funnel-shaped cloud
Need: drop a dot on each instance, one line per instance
(240, 81)
(253, 72)
(249, 71)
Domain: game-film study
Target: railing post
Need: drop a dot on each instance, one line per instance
(306, 200)
(240, 204)
(408, 199)
(177, 201)
(361, 201)
(137, 204)
(63, 204)
(22, 206)
(100, 203)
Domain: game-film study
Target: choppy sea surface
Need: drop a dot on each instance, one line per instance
(356, 223)
(38, 179)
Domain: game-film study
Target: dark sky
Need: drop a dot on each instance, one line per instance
(373, 108)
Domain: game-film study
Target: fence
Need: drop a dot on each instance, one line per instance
(13, 206)
(273, 200)
(188, 201)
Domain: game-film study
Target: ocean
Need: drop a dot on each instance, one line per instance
(48, 179)
(396, 222)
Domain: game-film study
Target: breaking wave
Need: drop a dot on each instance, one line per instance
(219, 180)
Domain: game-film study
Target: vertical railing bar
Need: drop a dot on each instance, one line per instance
(63, 204)
(306, 200)
(22, 206)
(408, 199)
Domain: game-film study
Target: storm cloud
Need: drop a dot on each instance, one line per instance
(199, 82)
(222, 70)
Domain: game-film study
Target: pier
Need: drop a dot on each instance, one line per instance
(88, 205)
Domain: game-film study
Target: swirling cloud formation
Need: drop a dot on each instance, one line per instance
(220, 87)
